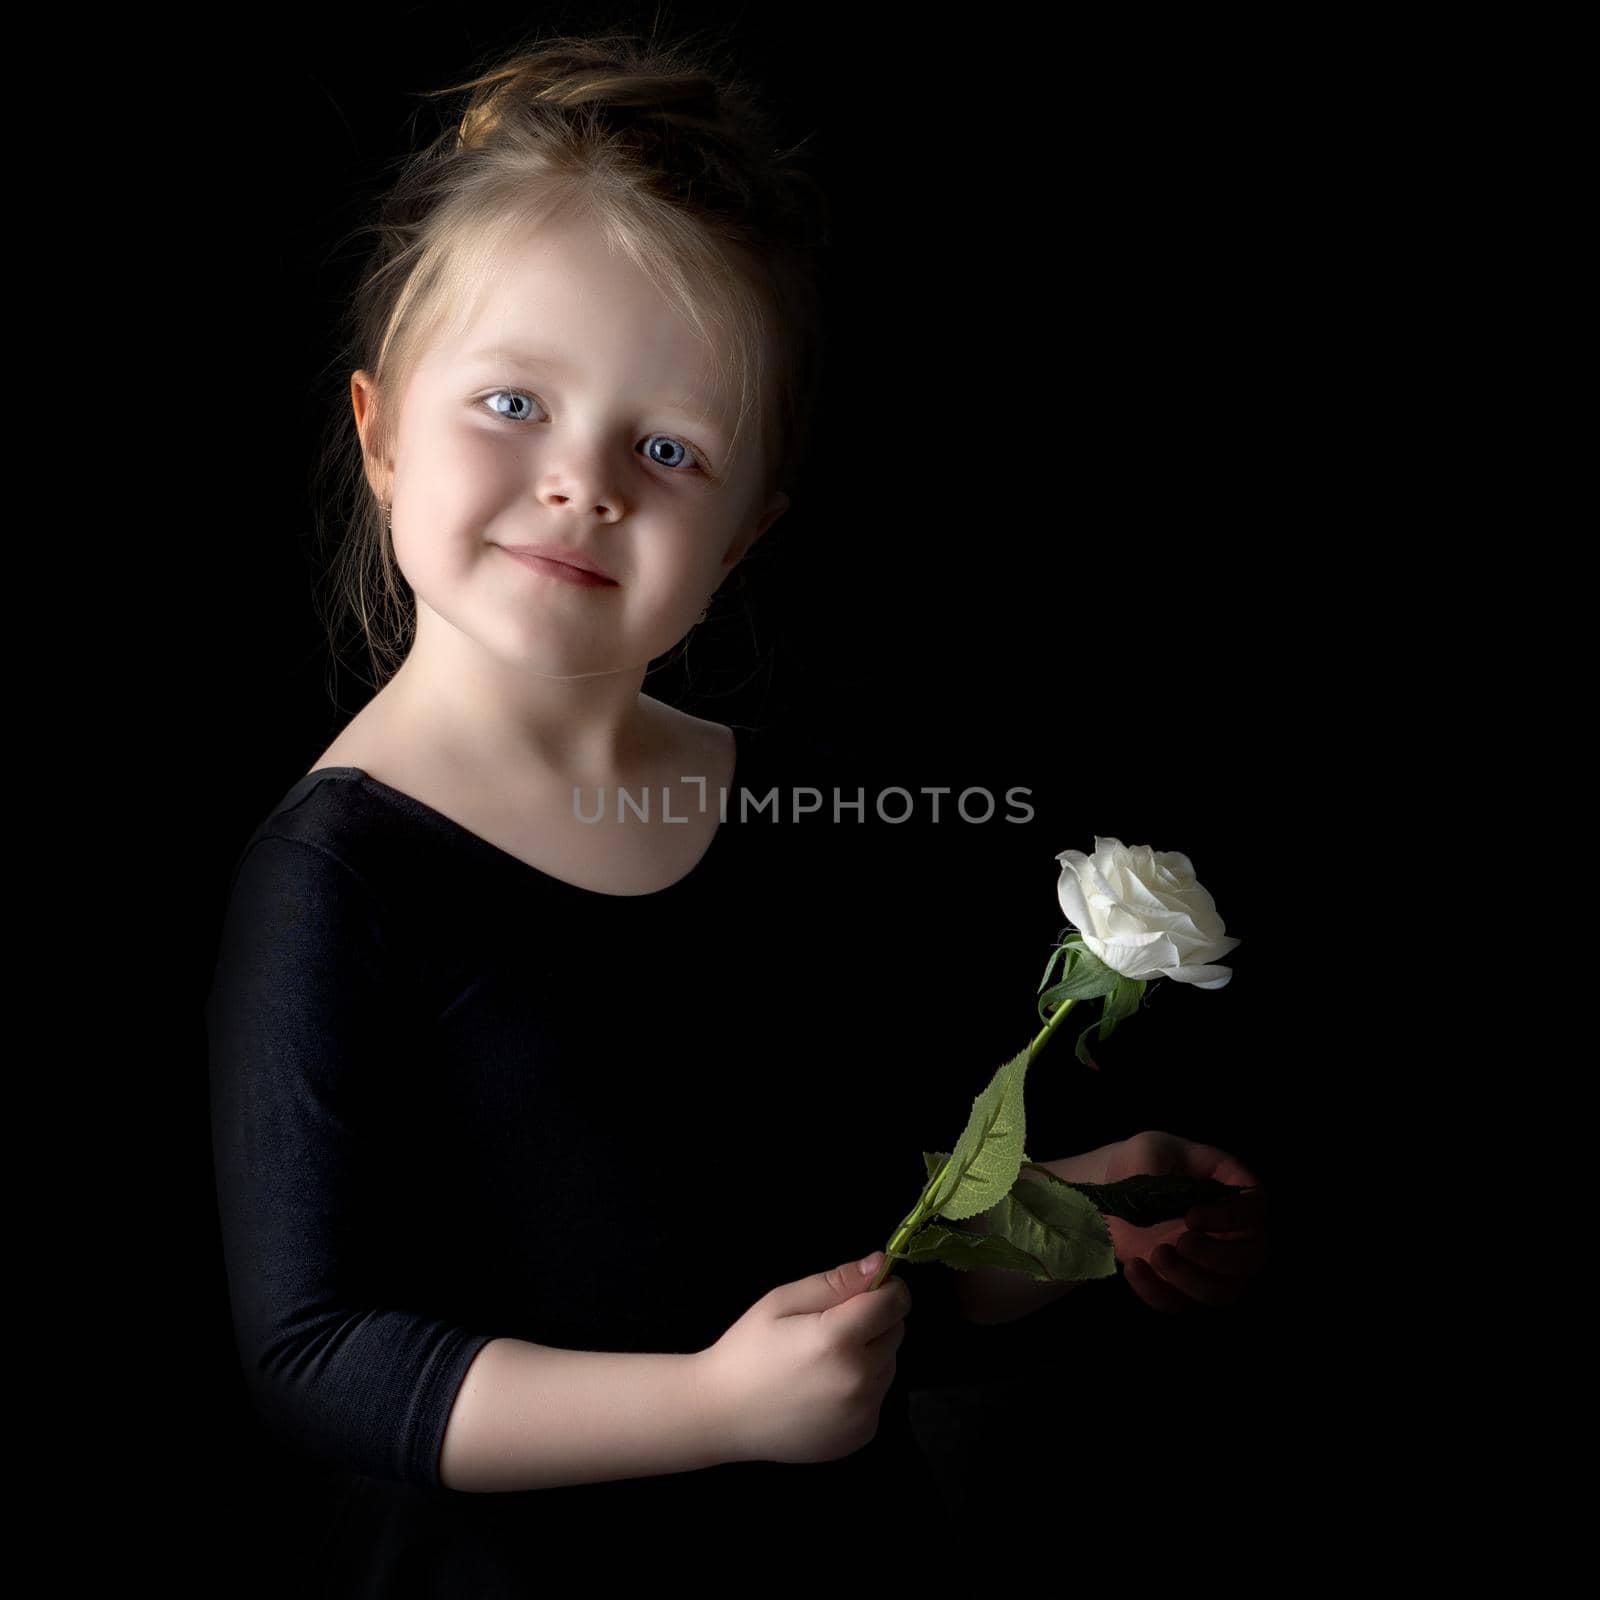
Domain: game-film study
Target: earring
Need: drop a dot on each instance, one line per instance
(703, 615)
(388, 520)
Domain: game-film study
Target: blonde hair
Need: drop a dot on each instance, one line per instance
(674, 161)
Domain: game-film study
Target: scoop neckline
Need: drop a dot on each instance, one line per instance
(443, 823)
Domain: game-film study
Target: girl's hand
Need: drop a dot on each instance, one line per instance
(1204, 1258)
(802, 1375)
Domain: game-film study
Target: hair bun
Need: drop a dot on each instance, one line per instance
(593, 80)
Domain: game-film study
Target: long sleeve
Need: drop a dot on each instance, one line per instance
(305, 1019)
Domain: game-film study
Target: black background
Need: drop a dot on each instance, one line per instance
(1065, 529)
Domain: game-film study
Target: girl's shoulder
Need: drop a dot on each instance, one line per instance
(327, 825)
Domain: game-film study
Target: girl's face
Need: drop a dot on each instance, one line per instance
(575, 412)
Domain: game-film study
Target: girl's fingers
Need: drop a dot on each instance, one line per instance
(1154, 1290)
(1210, 1161)
(1194, 1281)
(1238, 1257)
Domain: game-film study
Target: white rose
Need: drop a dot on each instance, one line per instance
(1143, 914)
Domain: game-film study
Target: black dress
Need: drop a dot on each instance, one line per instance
(455, 1098)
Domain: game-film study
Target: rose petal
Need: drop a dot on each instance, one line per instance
(1200, 977)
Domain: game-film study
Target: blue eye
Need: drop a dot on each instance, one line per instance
(515, 393)
(685, 452)
(671, 443)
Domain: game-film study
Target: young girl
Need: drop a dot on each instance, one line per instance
(524, 1195)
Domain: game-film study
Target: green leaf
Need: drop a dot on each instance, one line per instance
(1058, 954)
(1081, 1048)
(958, 1248)
(1085, 977)
(1055, 1225)
(1052, 1225)
(1146, 1198)
(1122, 1002)
(989, 1153)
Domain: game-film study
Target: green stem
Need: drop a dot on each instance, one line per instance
(1049, 1027)
(909, 1223)
(916, 1216)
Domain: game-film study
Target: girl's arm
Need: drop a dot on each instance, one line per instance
(531, 1416)
(989, 1295)
(304, 1029)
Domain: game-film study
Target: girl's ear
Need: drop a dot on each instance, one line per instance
(770, 512)
(361, 398)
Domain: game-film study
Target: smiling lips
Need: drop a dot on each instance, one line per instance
(555, 561)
